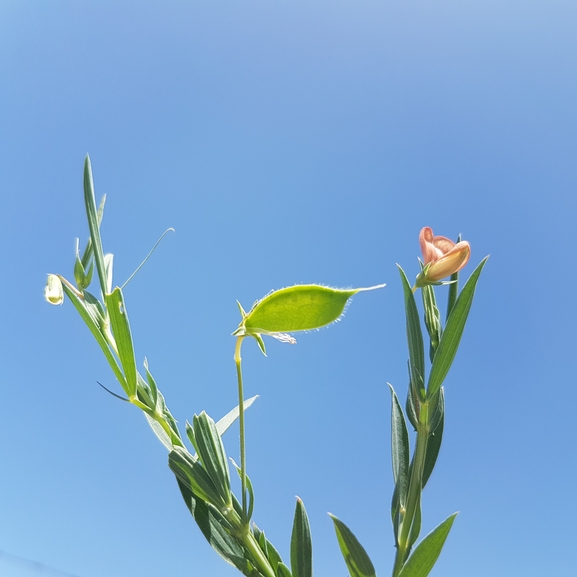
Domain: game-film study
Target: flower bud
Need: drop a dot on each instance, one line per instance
(442, 257)
(53, 291)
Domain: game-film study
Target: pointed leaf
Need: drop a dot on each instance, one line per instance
(123, 337)
(414, 336)
(161, 434)
(152, 385)
(400, 440)
(435, 438)
(250, 492)
(267, 548)
(452, 334)
(283, 570)
(401, 459)
(87, 255)
(213, 527)
(427, 552)
(411, 405)
(93, 223)
(296, 308)
(212, 454)
(301, 544)
(87, 314)
(356, 558)
(108, 266)
(195, 477)
(226, 421)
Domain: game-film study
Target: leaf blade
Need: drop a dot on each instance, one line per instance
(123, 337)
(453, 332)
(414, 336)
(427, 552)
(301, 552)
(358, 562)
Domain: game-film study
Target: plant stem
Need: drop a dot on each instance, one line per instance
(263, 563)
(415, 488)
(242, 532)
(238, 361)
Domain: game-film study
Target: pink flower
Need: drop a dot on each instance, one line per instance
(442, 257)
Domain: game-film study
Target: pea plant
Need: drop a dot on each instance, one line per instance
(198, 457)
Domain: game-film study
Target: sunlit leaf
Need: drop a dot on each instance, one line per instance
(301, 544)
(453, 332)
(356, 558)
(296, 308)
(427, 552)
(123, 337)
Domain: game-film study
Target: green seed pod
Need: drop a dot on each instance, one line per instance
(296, 308)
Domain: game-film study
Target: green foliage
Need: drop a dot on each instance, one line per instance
(356, 558)
(414, 338)
(301, 543)
(453, 332)
(426, 554)
(204, 477)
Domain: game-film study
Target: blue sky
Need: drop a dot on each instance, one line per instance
(288, 142)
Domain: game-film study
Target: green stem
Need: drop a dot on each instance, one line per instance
(262, 562)
(238, 361)
(415, 488)
(158, 418)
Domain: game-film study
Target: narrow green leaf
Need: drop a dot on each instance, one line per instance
(144, 393)
(151, 384)
(161, 434)
(212, 454)
(296, 308)
(260, 342)
(93, 224)
(108, 266)
(88, 253)
(214, 528)
(88, 316)
(223, 424)
(400, 440)
(283, 571)
(356, 558)
(414, 336)
(194, 476)
(169, 420)
(301, 544)
(250, 492)
(267, 548)
(401, 458)
(123, 337)
(97, 312)
(452, 334)
(427, 552)
(80, 276)
(412, 404)
(435, 438)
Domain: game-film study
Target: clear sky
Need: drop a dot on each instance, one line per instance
(288, 142)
